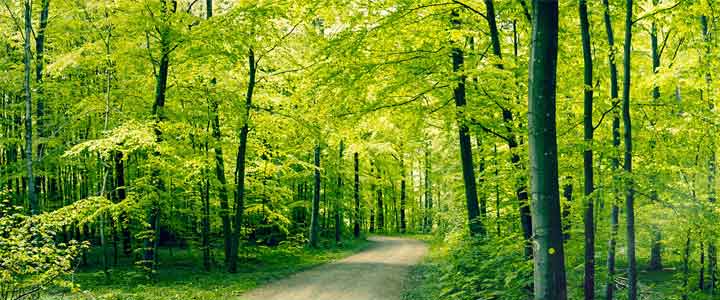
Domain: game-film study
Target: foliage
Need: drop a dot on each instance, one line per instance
(30, 258)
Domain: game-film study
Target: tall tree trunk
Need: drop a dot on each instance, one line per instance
(473, 211)
(615, 162)
(656, 246)
(315, 216)
(712, 169)
(686, 266)
(588, 218)
(39, 91)
(567, 208)
(428, 191)
(220, 166)
(548, 253)
(630, 196)
(482, 195)
(380, 208)
(338, 200)
(356, 227)
(31, 195)
(403, 197)
(240, 165)
(520, 185)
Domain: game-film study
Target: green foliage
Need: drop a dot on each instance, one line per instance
(30, 258)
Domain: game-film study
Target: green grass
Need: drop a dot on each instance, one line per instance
(180, 276)
(423, 282)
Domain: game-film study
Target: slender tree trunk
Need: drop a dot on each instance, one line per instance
(380, 208)
(473, 211)
(520, 186)
(338, 200)
(686, 266)
(567, 208)
(315, 216)
(656, 247)
(356, 228)
(712, 169)
(240, 165)
(615, 162)
(39, 91)
(630, 196)
(588, 218)
(549, 259)
(32, 196)
(403, 197)
(220, 166)
(428, 191)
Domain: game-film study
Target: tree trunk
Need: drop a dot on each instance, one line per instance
(356, 228)
(473, 211)
(630, 196)
(588, 218)
(428, 191)
(615, 162)
(686, 266)
(567, 208)
(220, 167)
(712, 169)
(338, 200)
(315, 215)
(240, 165)
(39, 91)
(31, 195)
(403, 197)
(549, 261)
(380, 209)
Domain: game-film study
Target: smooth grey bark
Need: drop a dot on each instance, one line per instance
(548, 254)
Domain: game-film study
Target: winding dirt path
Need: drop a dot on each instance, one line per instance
(374, 274)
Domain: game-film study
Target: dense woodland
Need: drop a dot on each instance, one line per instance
(552, 149)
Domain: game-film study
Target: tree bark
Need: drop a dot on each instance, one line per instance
(630, 189)
(549, 261)
(315, 215)
(615, 162)
(31, 194)
(338, 200)
(240, 165)
(356, 227)
(473, 211)
(588, 218)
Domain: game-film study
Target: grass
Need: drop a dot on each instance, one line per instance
(180, 276)
(423, 282)
(426, 281)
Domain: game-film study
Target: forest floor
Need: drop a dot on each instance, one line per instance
(181, 276)
(377, 273)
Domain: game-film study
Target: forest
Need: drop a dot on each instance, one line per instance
(359, 149)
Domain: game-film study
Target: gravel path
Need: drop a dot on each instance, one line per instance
(374, 274)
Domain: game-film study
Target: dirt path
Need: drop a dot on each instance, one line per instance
(374, 274)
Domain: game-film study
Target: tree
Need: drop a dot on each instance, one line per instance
(630, 192)
(549, 255)
(588, 218)
(315, 212)
(473, 211)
